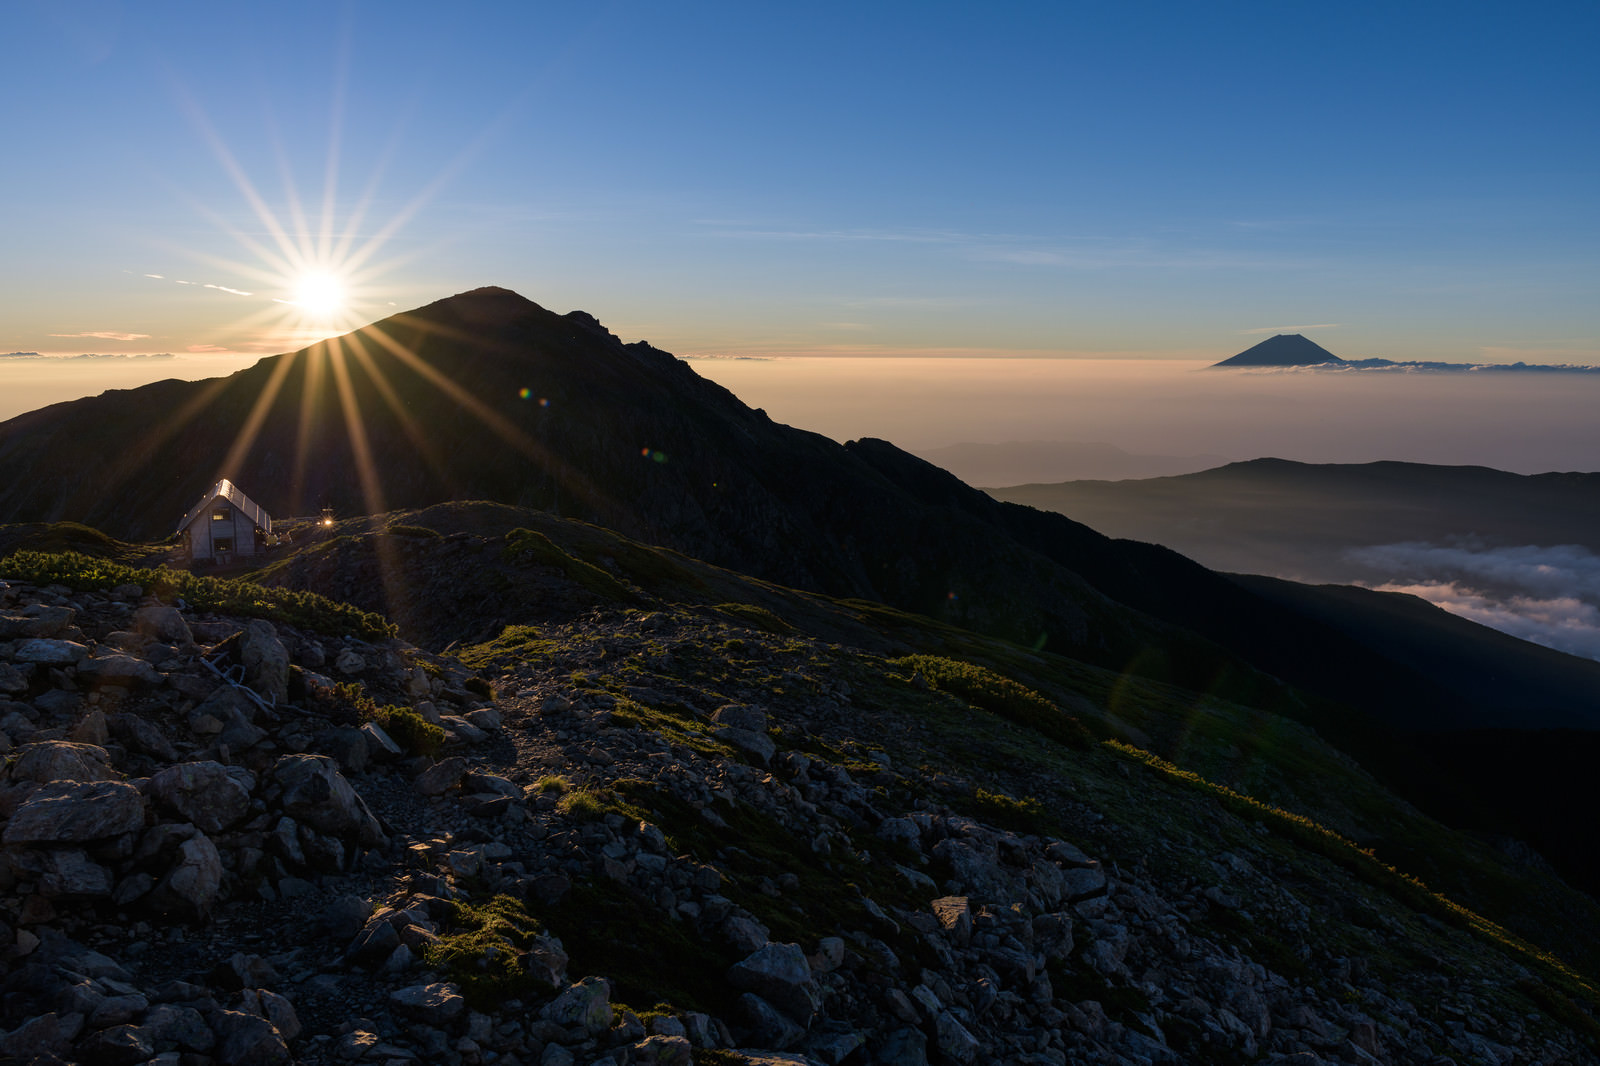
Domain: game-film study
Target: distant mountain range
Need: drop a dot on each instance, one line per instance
(487, 396)
(1014, 462)
(1283, 517)
(1291, 350)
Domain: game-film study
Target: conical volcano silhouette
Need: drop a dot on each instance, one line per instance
(1286, 349)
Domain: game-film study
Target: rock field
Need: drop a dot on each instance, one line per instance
(213, 851)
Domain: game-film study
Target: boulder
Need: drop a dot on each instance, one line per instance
(204, 793)
(60, 760)
(163, 623)
(119, 669)
(229, 715)
(63, 872)
(195, 882)
(66, 812)
(47, 652)
(437, 1004)
(266, 661)
(247, 1040)
(316, 794)
(769, 1027)
(780, 975)
(586, 1005)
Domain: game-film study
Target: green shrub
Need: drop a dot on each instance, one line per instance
(222, 595)
(417, 532)
(484, 956)
(755, 617)
(583, 805)
(1000, 695)
(410, 730)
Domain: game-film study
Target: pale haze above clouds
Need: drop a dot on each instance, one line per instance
(1549, 595)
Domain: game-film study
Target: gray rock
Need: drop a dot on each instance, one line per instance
(780, 975)
(901, 831)
(662, 1050)
(266, 661)
(91, 729)
(233, 715)
(66, 812)
(903, 1047)
(204, 793)
(955, 918)
(119, 670)
(1084, 882)
(741, 716)
(441, 776)
(744, 933)
(829, 955)
(769, 1027)
(247, 1040)
(12, 680)
(172, 1026)
(315, 793)
(436, 1004)
(36, 620)
(546, 961)
(586, 1004)
(60, 760)
(196, 880)
(349, 662)
(42, 1036)
(119, 1045)
(381, 747)
(758, 746)
(955, 1042)
(58, 872)
(48, 652)
(163, 623)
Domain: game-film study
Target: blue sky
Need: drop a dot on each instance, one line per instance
(1417, 180)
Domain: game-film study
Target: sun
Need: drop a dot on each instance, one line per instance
(319, 295)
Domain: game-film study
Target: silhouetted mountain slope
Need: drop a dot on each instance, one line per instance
(1285, 349)
(487, 395)
(1300, 519)
(1529, 686)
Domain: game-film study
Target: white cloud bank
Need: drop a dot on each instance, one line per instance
(1549, 595)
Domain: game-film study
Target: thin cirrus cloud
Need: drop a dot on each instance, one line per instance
(106, 335)
(1547, 594)
(1290, 329)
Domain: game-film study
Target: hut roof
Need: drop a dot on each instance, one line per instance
(227, 490)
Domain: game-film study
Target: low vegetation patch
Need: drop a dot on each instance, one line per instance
(1361, 861)
(528, 545)
(999, 695)
(484, 954)
(755, 617)
(307, 610)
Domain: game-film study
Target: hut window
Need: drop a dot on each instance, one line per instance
(221, 514)
(222, 544)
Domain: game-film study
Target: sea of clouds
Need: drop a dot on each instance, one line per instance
(1549, 595)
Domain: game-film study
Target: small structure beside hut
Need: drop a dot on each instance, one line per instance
(226, 524)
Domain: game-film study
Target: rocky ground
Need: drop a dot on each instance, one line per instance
(647, 837)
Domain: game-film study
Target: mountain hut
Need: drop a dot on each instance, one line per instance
(225, 524)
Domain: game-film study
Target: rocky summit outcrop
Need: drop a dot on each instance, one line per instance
(659, 838)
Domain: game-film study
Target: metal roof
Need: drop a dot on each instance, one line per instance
(227, 490)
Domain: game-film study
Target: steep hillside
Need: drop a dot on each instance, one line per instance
(657, 834)
(487, 395)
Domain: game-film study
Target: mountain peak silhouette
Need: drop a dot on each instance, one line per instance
(1285, 349)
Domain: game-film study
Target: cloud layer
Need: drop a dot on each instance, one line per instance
(1549, 595)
